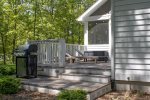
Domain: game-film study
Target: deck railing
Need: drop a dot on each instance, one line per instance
(72, 49)
(50, 52)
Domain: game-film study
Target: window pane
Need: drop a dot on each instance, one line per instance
(98, 32)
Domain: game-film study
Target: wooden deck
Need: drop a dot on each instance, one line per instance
(54, 86)
(95, 78)
(59, 84)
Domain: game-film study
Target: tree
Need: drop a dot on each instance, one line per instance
(23, 20)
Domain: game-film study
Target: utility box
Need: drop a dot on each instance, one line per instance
(26, 61)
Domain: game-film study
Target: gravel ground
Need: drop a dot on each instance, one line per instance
(28, 95)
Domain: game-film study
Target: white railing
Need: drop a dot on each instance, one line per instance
(50, 52)
(72, 49)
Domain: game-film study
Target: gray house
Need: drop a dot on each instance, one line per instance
(131, 43)
(121, 27)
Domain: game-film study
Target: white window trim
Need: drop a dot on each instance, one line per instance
(86, 33)
(102, 45)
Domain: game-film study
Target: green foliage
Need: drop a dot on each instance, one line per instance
(9, 85)
(7, 69)
(23, 20)
(72, 95)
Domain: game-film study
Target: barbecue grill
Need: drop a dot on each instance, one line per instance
(26, 61)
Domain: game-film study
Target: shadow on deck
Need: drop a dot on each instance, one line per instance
(95, 78)
(55, 85)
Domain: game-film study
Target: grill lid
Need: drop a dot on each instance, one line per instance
(23, 47)
(22, 50)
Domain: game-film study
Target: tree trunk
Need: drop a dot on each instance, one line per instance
(35, 16)
(14, 46)
(79, 35)
(14, 37)
(72, 33)
(3, 49)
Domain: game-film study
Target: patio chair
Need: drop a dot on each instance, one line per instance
(70, 58)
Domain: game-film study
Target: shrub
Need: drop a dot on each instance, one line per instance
(72, 95)
(9, 85)
(7, 69)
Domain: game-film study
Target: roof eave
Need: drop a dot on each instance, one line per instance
(91, 10)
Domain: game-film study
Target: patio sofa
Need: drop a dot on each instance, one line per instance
(102, 55)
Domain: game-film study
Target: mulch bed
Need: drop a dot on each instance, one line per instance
(128, 95)
(28, 95)
(121, 95)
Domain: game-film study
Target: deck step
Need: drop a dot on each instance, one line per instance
(50, 71)
(89, 65)
(86, 77)
(54, 86)
(88, 71)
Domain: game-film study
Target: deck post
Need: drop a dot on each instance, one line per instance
(112, 47)
(86, 33)
(61, 52)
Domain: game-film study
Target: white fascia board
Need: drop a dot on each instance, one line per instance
(86, 33)
(97, 18)
(91, 10)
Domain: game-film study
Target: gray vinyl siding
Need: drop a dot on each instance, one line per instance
(131, 20)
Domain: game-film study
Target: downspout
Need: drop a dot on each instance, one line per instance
(112, 47)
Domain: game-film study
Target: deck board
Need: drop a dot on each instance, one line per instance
(59, 84)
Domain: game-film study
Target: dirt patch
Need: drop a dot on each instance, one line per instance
(28, 95)
(128, 95)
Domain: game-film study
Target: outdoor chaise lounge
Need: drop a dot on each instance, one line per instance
(96, 55)
(86, 57)
(71, 59)
(102, 55)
